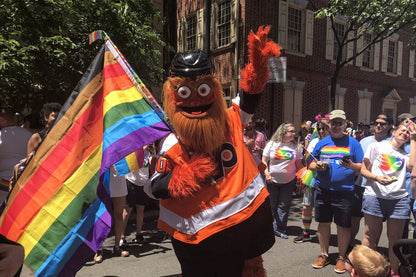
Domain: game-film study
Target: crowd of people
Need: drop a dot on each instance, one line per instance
(365, 172)
(358, 174)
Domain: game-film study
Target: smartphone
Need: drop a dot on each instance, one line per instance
(346, 159)
(407, 122)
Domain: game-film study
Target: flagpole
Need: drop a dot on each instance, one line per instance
(100, 34)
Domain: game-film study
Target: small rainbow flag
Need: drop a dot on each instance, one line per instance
(314, 133)
(60, 208)
(306, 177)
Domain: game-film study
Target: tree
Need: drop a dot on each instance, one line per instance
(380, 18)
(44, 45)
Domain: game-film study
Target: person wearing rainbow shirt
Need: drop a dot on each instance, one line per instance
(339, 158)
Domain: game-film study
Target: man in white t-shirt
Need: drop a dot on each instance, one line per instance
(13, 142)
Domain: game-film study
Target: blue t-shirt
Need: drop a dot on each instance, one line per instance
(331, 150)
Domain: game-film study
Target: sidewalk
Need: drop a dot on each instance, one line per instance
(157, 258)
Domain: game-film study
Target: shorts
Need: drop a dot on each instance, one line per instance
(357, 202)
(336, 205)
(224, 253)
(136, 195)
(118, 187)
(387, 208)
(307, 197)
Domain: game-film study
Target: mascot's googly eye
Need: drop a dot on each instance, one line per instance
(184, 92)
(204, 90)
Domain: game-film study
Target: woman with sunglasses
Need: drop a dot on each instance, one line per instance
(385, 195)
(365, 262)
(284, 158)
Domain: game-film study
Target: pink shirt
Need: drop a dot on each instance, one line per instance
(260, 141)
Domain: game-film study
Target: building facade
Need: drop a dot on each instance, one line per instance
(382, 79)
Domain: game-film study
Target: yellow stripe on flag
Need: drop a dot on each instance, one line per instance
(60, 200)
(118, 97)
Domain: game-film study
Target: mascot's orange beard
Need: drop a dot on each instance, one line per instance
(202, 135)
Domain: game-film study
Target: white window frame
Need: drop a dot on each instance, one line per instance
(398, 56)
(182, 43)
(214, 24)
(306, 28)
(330, 42)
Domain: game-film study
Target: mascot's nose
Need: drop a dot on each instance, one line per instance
(191, 64)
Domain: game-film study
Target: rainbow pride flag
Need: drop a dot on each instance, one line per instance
(306, 178)
(309, 158)
(60, 208)
(314, 133)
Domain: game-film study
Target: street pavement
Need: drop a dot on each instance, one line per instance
(157, 258)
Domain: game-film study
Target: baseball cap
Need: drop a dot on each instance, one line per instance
(403, 116)
(337, 114)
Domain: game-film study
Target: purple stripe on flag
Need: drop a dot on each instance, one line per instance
(138, 139)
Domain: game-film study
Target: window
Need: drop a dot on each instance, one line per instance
(224, 23)
(295, 27)
(368, 54)
(191, 33)
(295, 30)
(339, 30)
(391, 57)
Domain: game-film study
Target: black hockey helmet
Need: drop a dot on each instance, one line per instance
(191, 64)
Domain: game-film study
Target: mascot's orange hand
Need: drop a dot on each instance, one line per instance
(188, 178)
(256, 74)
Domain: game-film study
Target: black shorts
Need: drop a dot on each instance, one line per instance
(335, 205)
(357, 202)
(224, 253)
(136, 195)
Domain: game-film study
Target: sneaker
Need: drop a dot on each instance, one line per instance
(340, 265)
(140, 239)
(322, 261)
(121, 251)
(281, 234)
(123, 241)
(302, 238)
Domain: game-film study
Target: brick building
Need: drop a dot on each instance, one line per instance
(382, 79)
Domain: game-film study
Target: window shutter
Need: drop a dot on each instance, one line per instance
(234, 30)
(200, 29)
(329, 53)
(359, 59)
(283, 13)
(384, 55)
(399, 58)
(309, 32)
(181, 35)
(411, 63)
(214, 26)
(377, 56)
(350, 47)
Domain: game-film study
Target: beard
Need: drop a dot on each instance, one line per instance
(202, 135)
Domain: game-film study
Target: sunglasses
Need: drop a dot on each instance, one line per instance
(381, 124)
(347, 260)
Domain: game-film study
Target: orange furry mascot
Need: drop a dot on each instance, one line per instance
(213, 199)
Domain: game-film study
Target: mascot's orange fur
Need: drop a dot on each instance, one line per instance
(197, 111)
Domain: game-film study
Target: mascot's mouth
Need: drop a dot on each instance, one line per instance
(199, 111)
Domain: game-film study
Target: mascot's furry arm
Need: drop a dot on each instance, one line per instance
(255, 75)
(175, 183)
